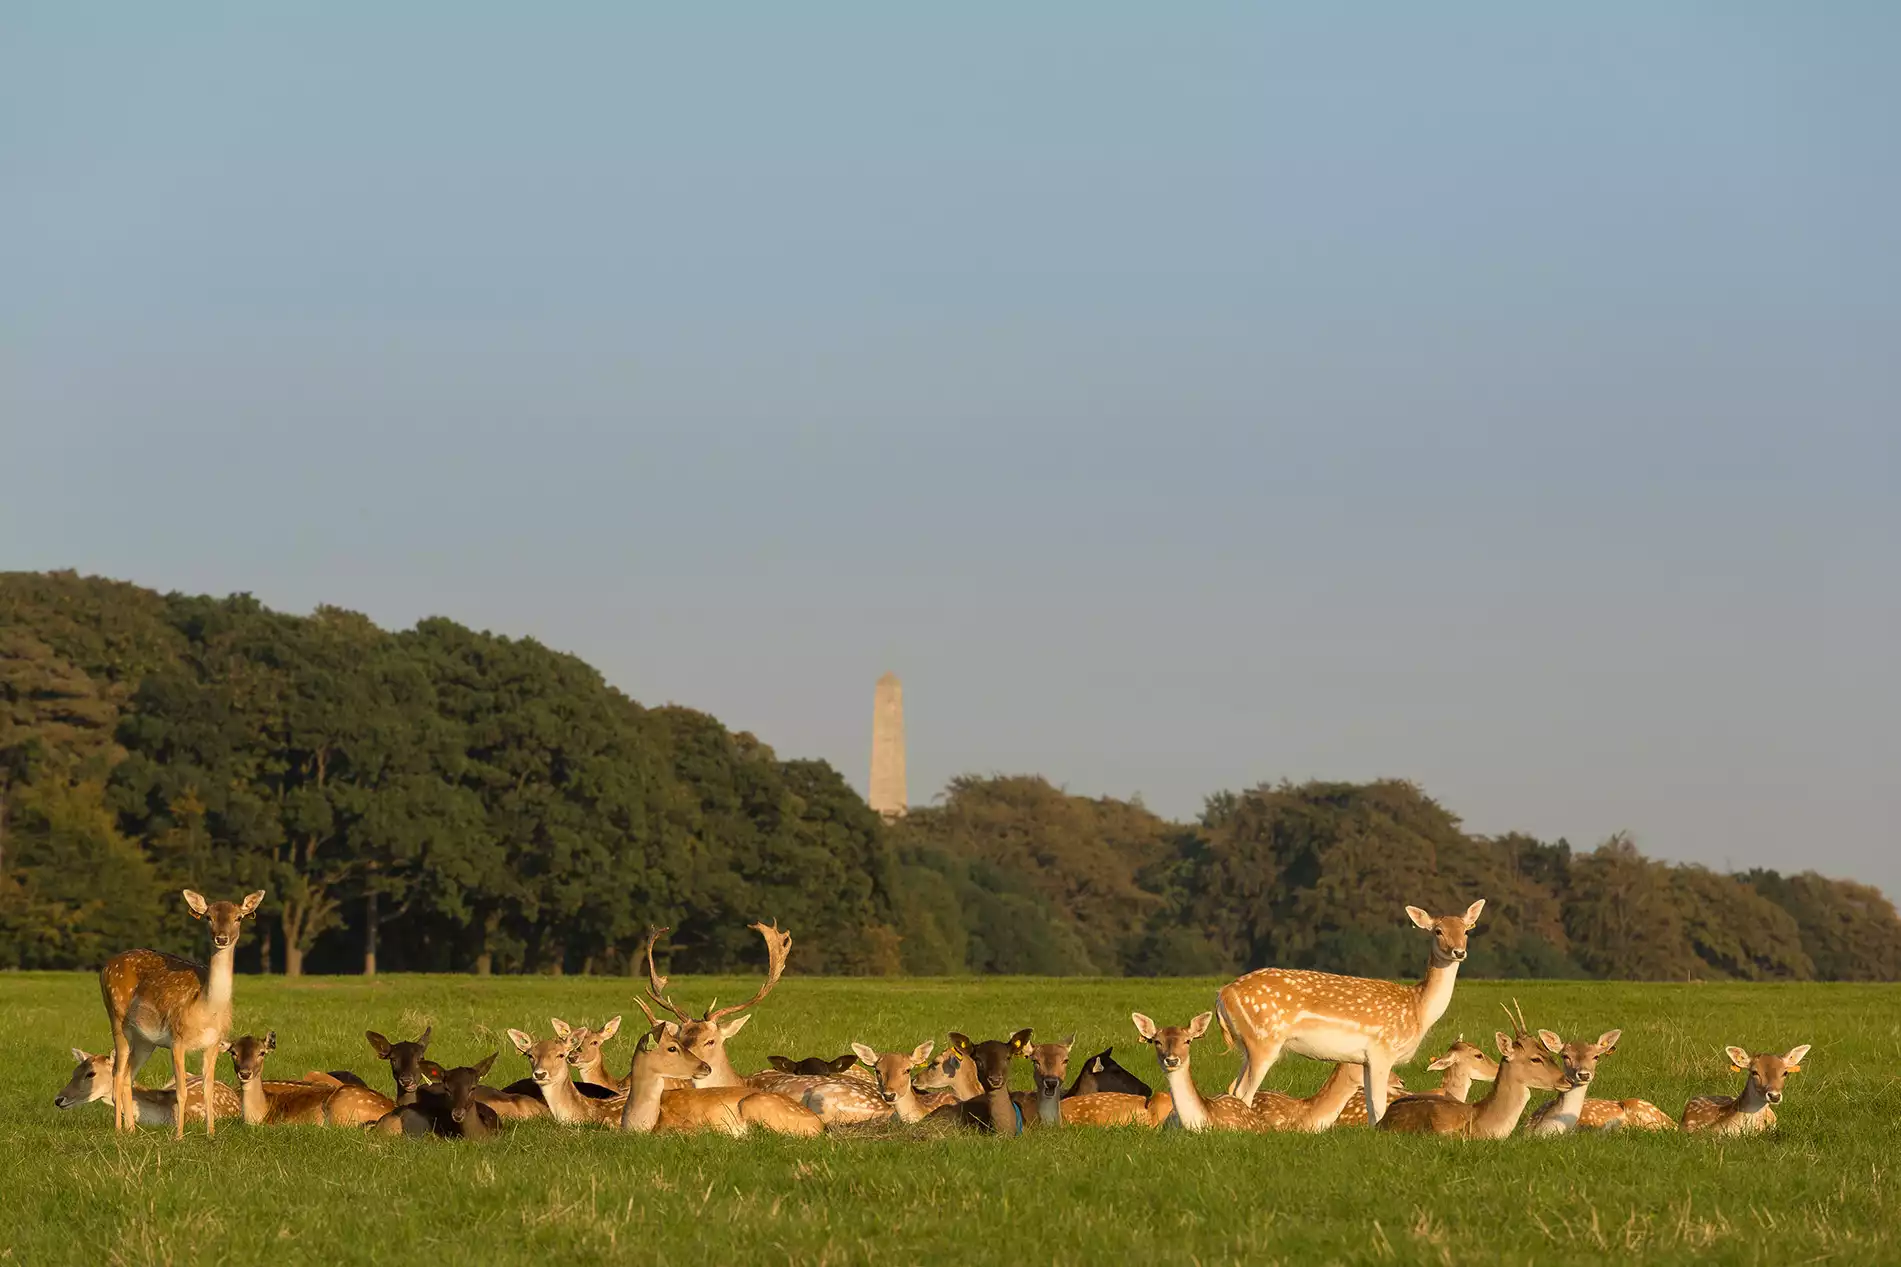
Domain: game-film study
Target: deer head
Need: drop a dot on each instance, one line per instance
(91, 1080)
(813, 1066)
(1470, 1057)
(1448, 932)
(247, 1055)
(1171, 1041)
(405, 1061)
(992, 1058)
(1580, 1058)
(1523, 1059)
(893, 1069)
(1049, 1065)
(1766, 1073)
(223, 916)
(706, 1036)
(459, 1084)
(584, 1044)
(660, 1054)
(547, 1059)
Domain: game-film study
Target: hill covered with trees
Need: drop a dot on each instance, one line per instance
(439, 799)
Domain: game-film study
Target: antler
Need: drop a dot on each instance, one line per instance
(657, 984)
(778, 945)
(1518, 1021)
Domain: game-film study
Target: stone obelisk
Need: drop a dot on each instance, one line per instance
(887, 748)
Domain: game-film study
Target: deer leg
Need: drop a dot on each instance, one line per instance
(209, 1063)
(1260, 1057)
(121, 1077)
(1377, 1070)
(178, 1090)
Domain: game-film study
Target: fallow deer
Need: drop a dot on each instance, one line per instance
(405, 1062)
(1567, 1112)
(548, 1062)
(1116, 1108)
(297, 1103)
(1101, 1073)
(815, 1066)
(1524, 1067)
(733, 1110)
(706, 1036)
(992, 1108)
(1354, 1112)
(446, 1106)
(92, 1080)
(1750, 1112)
(1049, 1065)
(892, 1071)
(1326, 1108)
(838, 1100)
(590, 1066)
(947, 1079)
(1354, 1020)
(157, 1000)
(1463, 1064)
(1184, 1105)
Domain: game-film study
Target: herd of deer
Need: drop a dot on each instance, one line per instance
(682, 1079)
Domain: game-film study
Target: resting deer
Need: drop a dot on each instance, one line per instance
(949, 1077)
(1183, 1104)
(157, 1000)
(707, 1035)
(92, 1080)
(446, 1107)
(584, 1053)
(651, 1105)
(297, 1103)
(1101, 1073)
(892, 1073)
(1573, 1110)
(1524, 1067)
(815, 1066)
(1463, 1064)
(1750, 1112)
(1049, 1065)
(549, 1064)
(1326, 1108)
(1354, 1020)
(991, 1108)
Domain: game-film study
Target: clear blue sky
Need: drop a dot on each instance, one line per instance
(1501, 396)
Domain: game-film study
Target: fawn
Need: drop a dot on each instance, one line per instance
(991, 1108)
(1183, 1105)
(892, 1071)
(1524, 1067)
(1750, 1112)
(549, 1063)
(445, 1107)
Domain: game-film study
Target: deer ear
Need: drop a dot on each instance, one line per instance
(378, 1043)
(1420, 918)
(866, 1056)
(1472, 913)
(270, 1042)
(1020, 1040)
(1199, 1026)
(922, 1052)
(249, 905)
(1504, 1042)
(82, 1057)
(1607, 1041)
(1737, 1057)
(610, 1029)
(224, 1044)
(196, 903)
(782, 1063)
(728, 1028)
(1143, 1026)
(1069, 1042)
(1444, 1062)
(561, 1027)
(431, 1070)
(960, 1043)
(1552, 1042)
(523, 1043)
(1793, 1059)
(422, 1040)
(481, 1070)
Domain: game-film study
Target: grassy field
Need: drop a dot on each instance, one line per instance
(1823, 1188)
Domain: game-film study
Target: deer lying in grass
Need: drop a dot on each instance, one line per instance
(550, 1068)
(301, 1103)
(1524, 1067)
(891, 1072)
(662, 1054)
(92, 1080)
(1049, 1065)
(1463, 1064)
(947, 1079)
(584, 1054)
(1354, 1020)
(405, 1062)
(156, 1000)
(1750, 1112)
(1324, 1109)
(1183, 1104)
(446, 1107)
(816, 1066)
(991, 1108)
(706, 1036)
(1573, 1110)
(1101, 1073)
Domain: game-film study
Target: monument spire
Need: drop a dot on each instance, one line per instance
(887, 748)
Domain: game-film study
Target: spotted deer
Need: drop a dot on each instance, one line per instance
(652, 1106)
(1326, 1108)
(301, 1103)
(1524, 1066)
(1750, 1112)
(1185, 1106)
(706, 1036)
(1574, 1110)
(947, 1079)
(1353, 1020)
(157, 1000)
(892, 1073)
(1101, 1073)
(446, 1106)
(548, 1062)
(92, 1080)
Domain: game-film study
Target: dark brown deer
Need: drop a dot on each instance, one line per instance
(1100, 1073)
(815, 1066)
(405, 1062)
(991, 1109)
(445, 1107)
(157, 1000)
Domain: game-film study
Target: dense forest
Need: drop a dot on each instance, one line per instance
(438, 799)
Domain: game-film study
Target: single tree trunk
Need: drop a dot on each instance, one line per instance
(293, 960)
(369, 935)
(264, 951)
(484, 964)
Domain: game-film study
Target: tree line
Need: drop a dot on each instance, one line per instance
(441, 799)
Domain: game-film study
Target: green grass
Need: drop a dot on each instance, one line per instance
(1822, 1188)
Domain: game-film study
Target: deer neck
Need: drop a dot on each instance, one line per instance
(1189, 1108)
(218, 979)
(906, 1106)
(565, 1104)
(1566, 1109)
(1324, 1105)
(595, 1071)
(252, 1102)
(1752, 1101)
(1499, 1112)
(1049, 1107)
(641, 1113)
(723, 1075)
(1003, 1111)
(1457, 1084)
(1435, 993)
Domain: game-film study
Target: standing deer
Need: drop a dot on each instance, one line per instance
(892, 1071)
(706, 1036)
(305, 1103)
(1524, 1067)
(157, 1000)
(1101, 1073)
(92, 1080)
(733, 1110)
(1183, 1104)
(548, 1060)
(1750, 1112)
(446, 1107)
(1354, 1020)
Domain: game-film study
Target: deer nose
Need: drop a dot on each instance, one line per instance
(1582, 1075)
(59, 1101)
(1775, 1097)
(456, 1115)
(1458, 956)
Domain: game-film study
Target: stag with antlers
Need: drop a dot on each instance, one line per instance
(706, 1036)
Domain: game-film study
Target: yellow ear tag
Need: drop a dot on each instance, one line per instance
(1793, 1069)
(1739, 1069)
